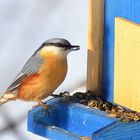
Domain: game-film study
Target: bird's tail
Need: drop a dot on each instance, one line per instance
(6, 98)
(2, 101)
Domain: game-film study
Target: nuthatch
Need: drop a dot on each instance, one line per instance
(42, 74)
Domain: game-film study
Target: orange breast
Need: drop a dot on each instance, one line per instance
(41, 85)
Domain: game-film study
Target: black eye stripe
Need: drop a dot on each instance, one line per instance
(58, 45)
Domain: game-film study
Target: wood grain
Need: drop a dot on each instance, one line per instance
(95, 43)
(127, 64)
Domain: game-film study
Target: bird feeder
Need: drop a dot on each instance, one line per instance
(112, 72)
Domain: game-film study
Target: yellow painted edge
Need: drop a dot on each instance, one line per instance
(130, 51)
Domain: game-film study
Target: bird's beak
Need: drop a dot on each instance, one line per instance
(74, 47)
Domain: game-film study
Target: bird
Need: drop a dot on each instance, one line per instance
(42, 74)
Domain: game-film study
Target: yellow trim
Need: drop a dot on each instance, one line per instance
(95, 44)
(127, 64)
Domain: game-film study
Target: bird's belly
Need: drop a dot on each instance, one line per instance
(42, 85)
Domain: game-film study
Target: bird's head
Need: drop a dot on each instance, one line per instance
(57, 46)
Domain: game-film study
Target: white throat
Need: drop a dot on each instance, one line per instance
(57, 50)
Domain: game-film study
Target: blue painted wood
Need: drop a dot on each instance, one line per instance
(67, 120)
(119, 131)
(129, 9)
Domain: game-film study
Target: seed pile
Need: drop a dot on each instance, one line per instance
(96, 102)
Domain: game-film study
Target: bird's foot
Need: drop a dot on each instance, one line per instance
(46, 107)
(43, 105)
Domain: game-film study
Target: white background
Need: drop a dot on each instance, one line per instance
(24, 25)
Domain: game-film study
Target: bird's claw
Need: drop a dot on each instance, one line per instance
(43, 105)
(46, 107)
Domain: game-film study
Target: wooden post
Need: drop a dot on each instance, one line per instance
(95, 45)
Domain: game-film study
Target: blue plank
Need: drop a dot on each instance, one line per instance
(52, 132)
(67, 120)
(129, 9)
(119, 131)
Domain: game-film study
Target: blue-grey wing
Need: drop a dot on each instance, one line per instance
(31, 67)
